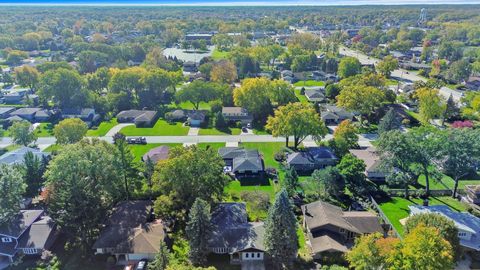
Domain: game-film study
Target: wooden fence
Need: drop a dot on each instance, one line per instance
(384, 217)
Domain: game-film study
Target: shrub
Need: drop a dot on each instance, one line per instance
(280, 156)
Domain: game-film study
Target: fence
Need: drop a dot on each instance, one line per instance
(433, 192)
(384, 217)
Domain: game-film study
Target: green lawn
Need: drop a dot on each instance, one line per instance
(309, 83)
(301, 98)
(397, 208)
(189, 106)
(44, 130)
(9, 148)
(138, 150)
(161, 128)
(235, 187)
(447, 182)
(218, 55)
(215, 146)
(53, 148)
(103, 128)
(214, 131)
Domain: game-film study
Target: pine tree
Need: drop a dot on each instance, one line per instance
(161, 259)
(281, 241)
(290, 182)
(198, 228)
(451, 110)
(390, 121)
(220, 121)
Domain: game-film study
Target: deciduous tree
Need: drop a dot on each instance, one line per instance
(11, 193)
(390, 121)
(198, 91)
(22, 133)
(70, 131)
(387, 65)
(349, 66)
(364, 100)
(430, 104)
(27, 76)
(297, 120)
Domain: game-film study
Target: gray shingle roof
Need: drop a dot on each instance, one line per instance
(38, 235)
(20, 223)
(17, 156)
(311, 155)
(232, 230)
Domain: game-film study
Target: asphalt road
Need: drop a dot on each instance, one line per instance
(399, 74)
(364, 139)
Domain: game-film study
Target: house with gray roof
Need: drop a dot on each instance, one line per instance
(157, 154)
(315, 95)
(30, 232)
(141, 118)
(232, 234)
(331, 114)
(234, 114)
(131, 233)
(26, 113)
(87, 115)
(310, 159)
(5, 112)
(17, 156)
(242, 162)
(332, 230)
(467, 224)
(370, 157)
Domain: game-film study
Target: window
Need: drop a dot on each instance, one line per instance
(342, 230)
(30, 251)
(258, 255)
(246, 255)
(462, 234)
(6, 239)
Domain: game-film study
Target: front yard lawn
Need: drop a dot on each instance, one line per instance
(44, 130)
(103, 128)
(397, 208)
(218, 55)
(161, 128)
(268, 151)
(215, 131)
(309, 83)
(214, 146)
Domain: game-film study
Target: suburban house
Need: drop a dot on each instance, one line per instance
(139, 117)
(87, 115)
(332, 230)
(232, 234)
(322, 76)
(372, 162)
(473, 83)
(473, 194)
(17, 156)
(156, 154)
(15, 97)
(310, 159)
(131, 233)
(30, 232)
(5, 112)
(199, 36)
(332, 114)
(242, 162)
(467, 224)
(32, 114)
(234, 114)
(287, 75)
(178, 115)
(315, 95)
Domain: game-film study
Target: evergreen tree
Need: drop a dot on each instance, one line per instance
(127, 165)
(198, 229)
(220, 121)
(390, 121)
(290, 182)
(161, 259)
(281, 240)
(451, 110)
(33, 168)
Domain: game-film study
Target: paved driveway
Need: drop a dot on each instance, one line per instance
(117, 128)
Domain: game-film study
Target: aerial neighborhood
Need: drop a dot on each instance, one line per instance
(247, 137)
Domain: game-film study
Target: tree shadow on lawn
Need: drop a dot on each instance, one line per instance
(445, 203)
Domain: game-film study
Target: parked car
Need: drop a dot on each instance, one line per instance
(142, 265)
(137, 140)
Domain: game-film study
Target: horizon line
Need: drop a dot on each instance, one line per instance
(240, 4)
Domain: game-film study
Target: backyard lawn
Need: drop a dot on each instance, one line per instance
(397, 208)
(218, 55)
(103, 128)
(189, 106)
(161, 128)
(309, 83)
(301, 98)
(215, 131)
(44, 130)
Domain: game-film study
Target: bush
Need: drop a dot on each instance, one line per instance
(216, 106)
(422, 72)
(169, 117)
(280, 156)
(257, 204)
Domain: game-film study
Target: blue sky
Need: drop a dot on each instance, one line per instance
(240, 2)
